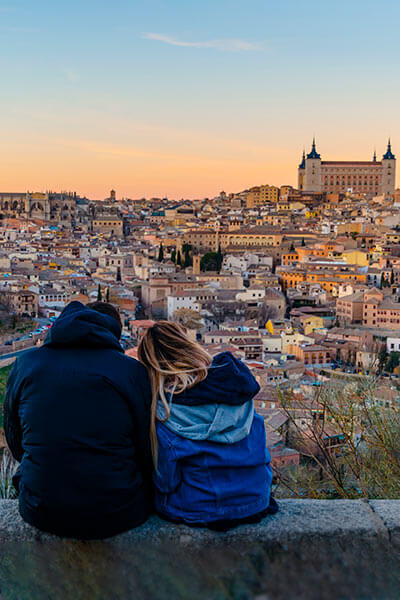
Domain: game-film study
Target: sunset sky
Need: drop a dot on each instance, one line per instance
(187, 98)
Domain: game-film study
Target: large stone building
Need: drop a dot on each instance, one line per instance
(20, 302)
(260, 195)
(372, 178)
(59, 208)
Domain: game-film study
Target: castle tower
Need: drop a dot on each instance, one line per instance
(301, 172)
(313, 171)
(388, 171)
(196, 264)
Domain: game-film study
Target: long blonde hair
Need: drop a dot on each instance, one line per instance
(174, 363)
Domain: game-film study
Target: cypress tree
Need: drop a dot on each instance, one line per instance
(187, 261)
(99, 298)
(220, 258)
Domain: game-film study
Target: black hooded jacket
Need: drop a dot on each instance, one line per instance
(77, 417)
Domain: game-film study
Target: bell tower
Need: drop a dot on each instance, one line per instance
(196, 264)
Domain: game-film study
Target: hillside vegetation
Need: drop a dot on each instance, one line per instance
(4, 372)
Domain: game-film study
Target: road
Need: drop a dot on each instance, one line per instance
(8, 359)
(16, 353)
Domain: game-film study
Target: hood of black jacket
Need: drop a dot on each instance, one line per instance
(79, 326)
(229, 381)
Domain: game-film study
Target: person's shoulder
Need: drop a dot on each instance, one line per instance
(135, 374)
(27, 357)
(132, 363)
(221, 356)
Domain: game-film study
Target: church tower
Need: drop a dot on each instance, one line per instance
(196, 264)
(388, 171)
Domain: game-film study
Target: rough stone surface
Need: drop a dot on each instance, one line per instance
(389, 512)
(312, 549)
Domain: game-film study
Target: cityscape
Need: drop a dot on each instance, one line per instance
(303, 284)
(199, 300)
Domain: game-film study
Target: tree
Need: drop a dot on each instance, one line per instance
(173, 255)
(179, 259)
(119, 278)
(382, 357)
(385, 281)
(210, 262)
(349, 358)
(99, 297)
(160, 253)
(392, 277)
(291, 247)
(348, 467)
(187, 258)
(266, 312)
(188, 318)
(393, 361)
(186, 247)
(108, 294)
(303, 243)
(220, 258)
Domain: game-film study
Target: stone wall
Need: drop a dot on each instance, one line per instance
(312, 549)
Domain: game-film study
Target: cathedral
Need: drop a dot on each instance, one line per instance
(64, 209)
(372, 178)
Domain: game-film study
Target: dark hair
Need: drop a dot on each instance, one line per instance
(105, 308)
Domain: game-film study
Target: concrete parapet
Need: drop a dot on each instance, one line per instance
(312, 549)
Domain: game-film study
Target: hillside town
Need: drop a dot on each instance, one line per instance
(303, 284)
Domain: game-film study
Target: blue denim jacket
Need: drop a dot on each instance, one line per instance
(213, 463)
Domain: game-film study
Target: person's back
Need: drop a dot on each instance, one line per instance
(77, 416)
(213, 466)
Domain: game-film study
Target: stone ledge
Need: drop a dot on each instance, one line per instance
(310, 549)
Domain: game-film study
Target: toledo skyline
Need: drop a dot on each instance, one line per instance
(185, 99)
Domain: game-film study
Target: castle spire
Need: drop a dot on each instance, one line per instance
(389, 154)
(313, 153)
(374, 159)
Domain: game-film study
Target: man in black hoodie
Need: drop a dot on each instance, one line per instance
(77, 418)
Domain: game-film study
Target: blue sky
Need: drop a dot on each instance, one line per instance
(185, 97)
